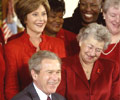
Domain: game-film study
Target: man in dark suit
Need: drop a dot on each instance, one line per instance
(45, 69)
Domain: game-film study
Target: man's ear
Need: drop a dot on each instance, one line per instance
(33, 74)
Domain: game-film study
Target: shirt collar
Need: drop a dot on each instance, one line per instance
(40, 93)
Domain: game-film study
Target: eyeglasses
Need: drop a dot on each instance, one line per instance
(92, 48)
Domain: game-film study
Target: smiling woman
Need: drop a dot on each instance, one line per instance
(87, 11)
(33, 16)
(82, 73)
(111, 11)
(54, 27)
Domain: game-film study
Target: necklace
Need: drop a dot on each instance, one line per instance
(87, 72)
(111, 49)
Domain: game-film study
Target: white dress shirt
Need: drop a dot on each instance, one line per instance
(40, 93)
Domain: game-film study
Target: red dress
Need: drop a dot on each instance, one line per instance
(2, 73)
(104, 81)
(114, 54)
(71, 44)
(17, 53)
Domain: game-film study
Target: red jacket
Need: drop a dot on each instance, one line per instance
(71, 44)
(2, 37)
(17, 52)
(104, 82)
(2, 73)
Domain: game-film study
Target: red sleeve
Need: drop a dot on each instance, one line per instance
(70, 41)
(115, 93)
(2, 73)
(11, 76)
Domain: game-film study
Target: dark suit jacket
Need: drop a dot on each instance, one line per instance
(104, 82)
(29, 93)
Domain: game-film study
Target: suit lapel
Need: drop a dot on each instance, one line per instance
(77, 68)
(32, 92)
(96, 72)
(53, 97)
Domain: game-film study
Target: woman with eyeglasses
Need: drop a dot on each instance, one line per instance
(111, 12)
(87, 76)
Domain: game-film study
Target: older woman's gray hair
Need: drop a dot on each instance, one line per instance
(110, 3)
(36, 59)
(99, 32)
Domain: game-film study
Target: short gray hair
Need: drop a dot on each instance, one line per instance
(36, 59)
(110, 3)
(99, 32)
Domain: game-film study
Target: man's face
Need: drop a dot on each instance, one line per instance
(90, 10)
(49, 76)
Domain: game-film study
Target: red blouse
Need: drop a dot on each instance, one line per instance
(17, 53)
(2, 37)
(2, 73)
(71, 44)
(104, 81)
(114, 54)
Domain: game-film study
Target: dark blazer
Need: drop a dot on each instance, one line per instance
(74, 23)
(29, 93)
(104, 83)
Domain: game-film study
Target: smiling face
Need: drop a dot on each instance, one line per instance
(90, 50)
(112, 19)
(89, 10)
(49, 76)
(36, 20)
(55, 22)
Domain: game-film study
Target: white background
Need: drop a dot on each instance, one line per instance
(70, 5)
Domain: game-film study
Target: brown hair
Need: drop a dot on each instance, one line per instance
(24, 7)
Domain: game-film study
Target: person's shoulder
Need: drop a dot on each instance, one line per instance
(57, 96)
(108, 62)
(53, 40)
(67, 32)
(68, 21)
(15, 43)
(24, 94)
(69, 61)
(15, 40)
(15, 36)
(72, 24)
(21, 96)
(69, 58)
